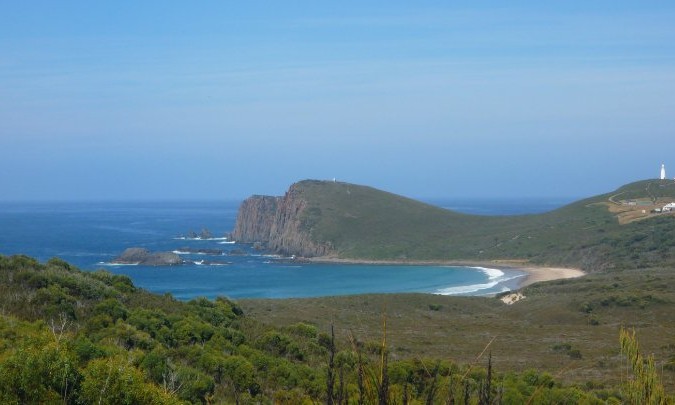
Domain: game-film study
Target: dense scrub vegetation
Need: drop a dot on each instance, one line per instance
(566, 327)
(74, 337)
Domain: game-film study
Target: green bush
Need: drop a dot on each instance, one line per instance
(113, 308)
(114, 381)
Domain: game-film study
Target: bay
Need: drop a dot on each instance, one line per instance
(90, 234)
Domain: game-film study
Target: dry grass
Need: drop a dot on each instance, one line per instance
(631, 213)
(575, 312)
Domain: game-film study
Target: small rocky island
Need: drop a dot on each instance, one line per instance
(147, 258)
(203, 235)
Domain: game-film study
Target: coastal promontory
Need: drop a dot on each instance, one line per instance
(337, 220)
(280, 223)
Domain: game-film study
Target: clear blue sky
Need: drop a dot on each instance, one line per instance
(216, 100)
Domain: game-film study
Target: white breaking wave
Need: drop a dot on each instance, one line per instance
(227, 242)
(182, 252)
(200, 238)
(270, 256)
(495, 277)
(199, 262)
(465, 289)
(491, 273)
(117, 264)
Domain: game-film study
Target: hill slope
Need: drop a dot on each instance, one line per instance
(584, 314)
(74, 337)
(321, 218)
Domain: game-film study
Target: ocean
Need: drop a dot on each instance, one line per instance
(91, 234)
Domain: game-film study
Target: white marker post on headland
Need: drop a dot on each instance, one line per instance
(663, 171)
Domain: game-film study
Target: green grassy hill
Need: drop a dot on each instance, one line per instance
(361, 222)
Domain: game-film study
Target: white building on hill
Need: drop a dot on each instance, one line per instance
(663, 171)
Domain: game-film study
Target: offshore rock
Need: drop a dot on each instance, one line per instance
(146, 258)
(277, 222)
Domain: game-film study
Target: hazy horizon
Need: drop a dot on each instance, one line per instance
(434, 200)
(219, 101)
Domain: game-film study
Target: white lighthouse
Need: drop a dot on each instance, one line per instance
(663, 171)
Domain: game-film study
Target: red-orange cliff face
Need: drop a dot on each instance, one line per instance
(276, 222)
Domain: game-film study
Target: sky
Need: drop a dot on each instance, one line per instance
(130, 100)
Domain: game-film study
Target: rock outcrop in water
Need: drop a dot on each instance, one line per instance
(145, 257)
(277, 223)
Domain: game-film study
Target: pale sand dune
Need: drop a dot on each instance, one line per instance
(512, 298)
(536, 274)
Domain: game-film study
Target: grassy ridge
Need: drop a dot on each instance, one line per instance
(360, 222)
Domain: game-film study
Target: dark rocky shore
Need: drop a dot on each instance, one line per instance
(147, 258)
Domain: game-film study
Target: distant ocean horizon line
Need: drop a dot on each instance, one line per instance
(428, 200)
(486, 206)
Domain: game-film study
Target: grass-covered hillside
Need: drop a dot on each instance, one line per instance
(75, 337)
(567, 327)
(360, 222)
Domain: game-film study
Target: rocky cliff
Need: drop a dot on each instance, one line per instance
(278, 223)
(255, 218)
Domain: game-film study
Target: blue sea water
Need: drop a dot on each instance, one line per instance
(90, 234)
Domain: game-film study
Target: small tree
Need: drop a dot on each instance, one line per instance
(645, 387)
(330, 378)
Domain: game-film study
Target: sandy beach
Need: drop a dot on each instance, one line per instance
(536, 274)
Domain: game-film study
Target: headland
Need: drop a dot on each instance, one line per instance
(341, 222)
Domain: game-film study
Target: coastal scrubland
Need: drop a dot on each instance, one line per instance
(566, 327)
(69, 336)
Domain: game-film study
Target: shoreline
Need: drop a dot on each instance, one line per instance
(533, 273)
(537, 274)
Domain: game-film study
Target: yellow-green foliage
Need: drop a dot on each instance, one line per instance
(645, 386)
(72, 337)
(117, 381)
